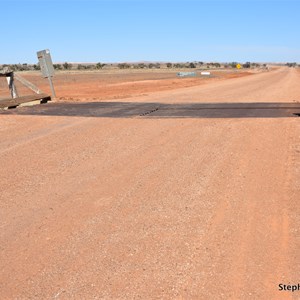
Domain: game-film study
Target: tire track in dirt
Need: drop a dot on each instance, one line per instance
(150, 180)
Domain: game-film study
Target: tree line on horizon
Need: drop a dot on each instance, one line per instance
(168, 65)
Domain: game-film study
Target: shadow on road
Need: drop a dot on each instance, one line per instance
(162, 110)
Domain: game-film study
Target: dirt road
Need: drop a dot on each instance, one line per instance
(157, 198)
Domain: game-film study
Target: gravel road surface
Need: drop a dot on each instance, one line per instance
(184, 194)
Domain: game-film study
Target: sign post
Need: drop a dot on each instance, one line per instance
(47, 69)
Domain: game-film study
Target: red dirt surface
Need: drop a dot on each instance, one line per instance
(153, 207)
(115, 84)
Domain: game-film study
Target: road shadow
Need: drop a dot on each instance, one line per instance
(162, 110)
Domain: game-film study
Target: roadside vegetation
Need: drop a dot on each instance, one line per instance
(141, 65)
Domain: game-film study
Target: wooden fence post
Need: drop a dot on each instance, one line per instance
(11, 85)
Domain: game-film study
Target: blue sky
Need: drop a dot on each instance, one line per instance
(145, 30)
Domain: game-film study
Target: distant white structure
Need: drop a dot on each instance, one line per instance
(186, 74)
(205, 73)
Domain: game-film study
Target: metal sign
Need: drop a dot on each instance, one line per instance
(46, 65)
